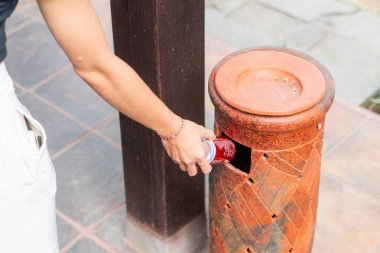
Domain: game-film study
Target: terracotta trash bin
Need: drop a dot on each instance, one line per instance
(272, 103)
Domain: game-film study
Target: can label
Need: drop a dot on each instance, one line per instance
(221, 150)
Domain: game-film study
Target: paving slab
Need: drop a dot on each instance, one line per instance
(33, 54)
(343, 55)
(355, 160)
(30, 7)
(347, 219)
(73, 95)
(361, 26)
(16, 20)
(286, 30)
(226, 6)
(311, 9)
(112, 130)
(66, 232)
(237, 34)
(341, 120)
(86, 246)
(353, 69)
(89, 180)
(112, 231)
(370, 5)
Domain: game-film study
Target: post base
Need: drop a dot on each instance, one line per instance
(191, 238)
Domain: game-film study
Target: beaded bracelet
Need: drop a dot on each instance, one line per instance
(175, 135)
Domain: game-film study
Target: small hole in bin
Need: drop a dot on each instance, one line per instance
(249, 250)
(242, 159)
(251, 180)
(291, 250)
(265, 156)
(228, 206)
(274, 216)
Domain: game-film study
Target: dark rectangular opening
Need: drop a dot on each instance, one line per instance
(242, 159)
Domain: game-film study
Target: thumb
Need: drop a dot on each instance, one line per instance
(208, 134)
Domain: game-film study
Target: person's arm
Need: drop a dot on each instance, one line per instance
(78, 31)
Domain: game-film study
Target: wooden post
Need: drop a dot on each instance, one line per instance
(163, 40)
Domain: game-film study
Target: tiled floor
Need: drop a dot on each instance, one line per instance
(83, 132)
(342, 36)
(83, 135)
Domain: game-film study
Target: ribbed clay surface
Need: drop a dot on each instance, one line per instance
(268, 202)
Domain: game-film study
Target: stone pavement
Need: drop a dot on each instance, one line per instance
(344, 36)
(83, 134)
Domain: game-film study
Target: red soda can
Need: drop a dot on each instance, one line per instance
(220, 150)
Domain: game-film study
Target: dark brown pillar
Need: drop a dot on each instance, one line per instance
(163, 40)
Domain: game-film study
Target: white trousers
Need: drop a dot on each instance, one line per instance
(27, 179)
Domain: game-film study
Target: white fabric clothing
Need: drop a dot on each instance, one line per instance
(27, 179)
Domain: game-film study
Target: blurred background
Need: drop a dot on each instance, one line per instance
(83, 131)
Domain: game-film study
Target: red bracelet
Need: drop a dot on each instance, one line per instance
(175, 135)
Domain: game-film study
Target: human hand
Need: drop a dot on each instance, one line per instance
(186, 148)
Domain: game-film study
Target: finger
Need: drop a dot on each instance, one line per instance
(182, 167)
(204, 166)
(191, 170)
(208, 134)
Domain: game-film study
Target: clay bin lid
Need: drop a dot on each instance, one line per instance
(269, 82)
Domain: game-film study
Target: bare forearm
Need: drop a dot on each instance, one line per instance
(76, 28)
(122, 87)
(78, 31)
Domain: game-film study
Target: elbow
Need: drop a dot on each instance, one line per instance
(89, 70)
(94, 77)
(84, 73)
(88, 65)
(83, 67)
(96, 71)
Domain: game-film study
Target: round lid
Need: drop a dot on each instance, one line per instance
(269, 82)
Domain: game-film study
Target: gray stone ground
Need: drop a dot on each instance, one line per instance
(341, 35)
(83, 134)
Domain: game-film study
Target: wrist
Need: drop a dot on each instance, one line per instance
(171, 126)
(172, 137)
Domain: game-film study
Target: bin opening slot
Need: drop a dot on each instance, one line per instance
(242, 159)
